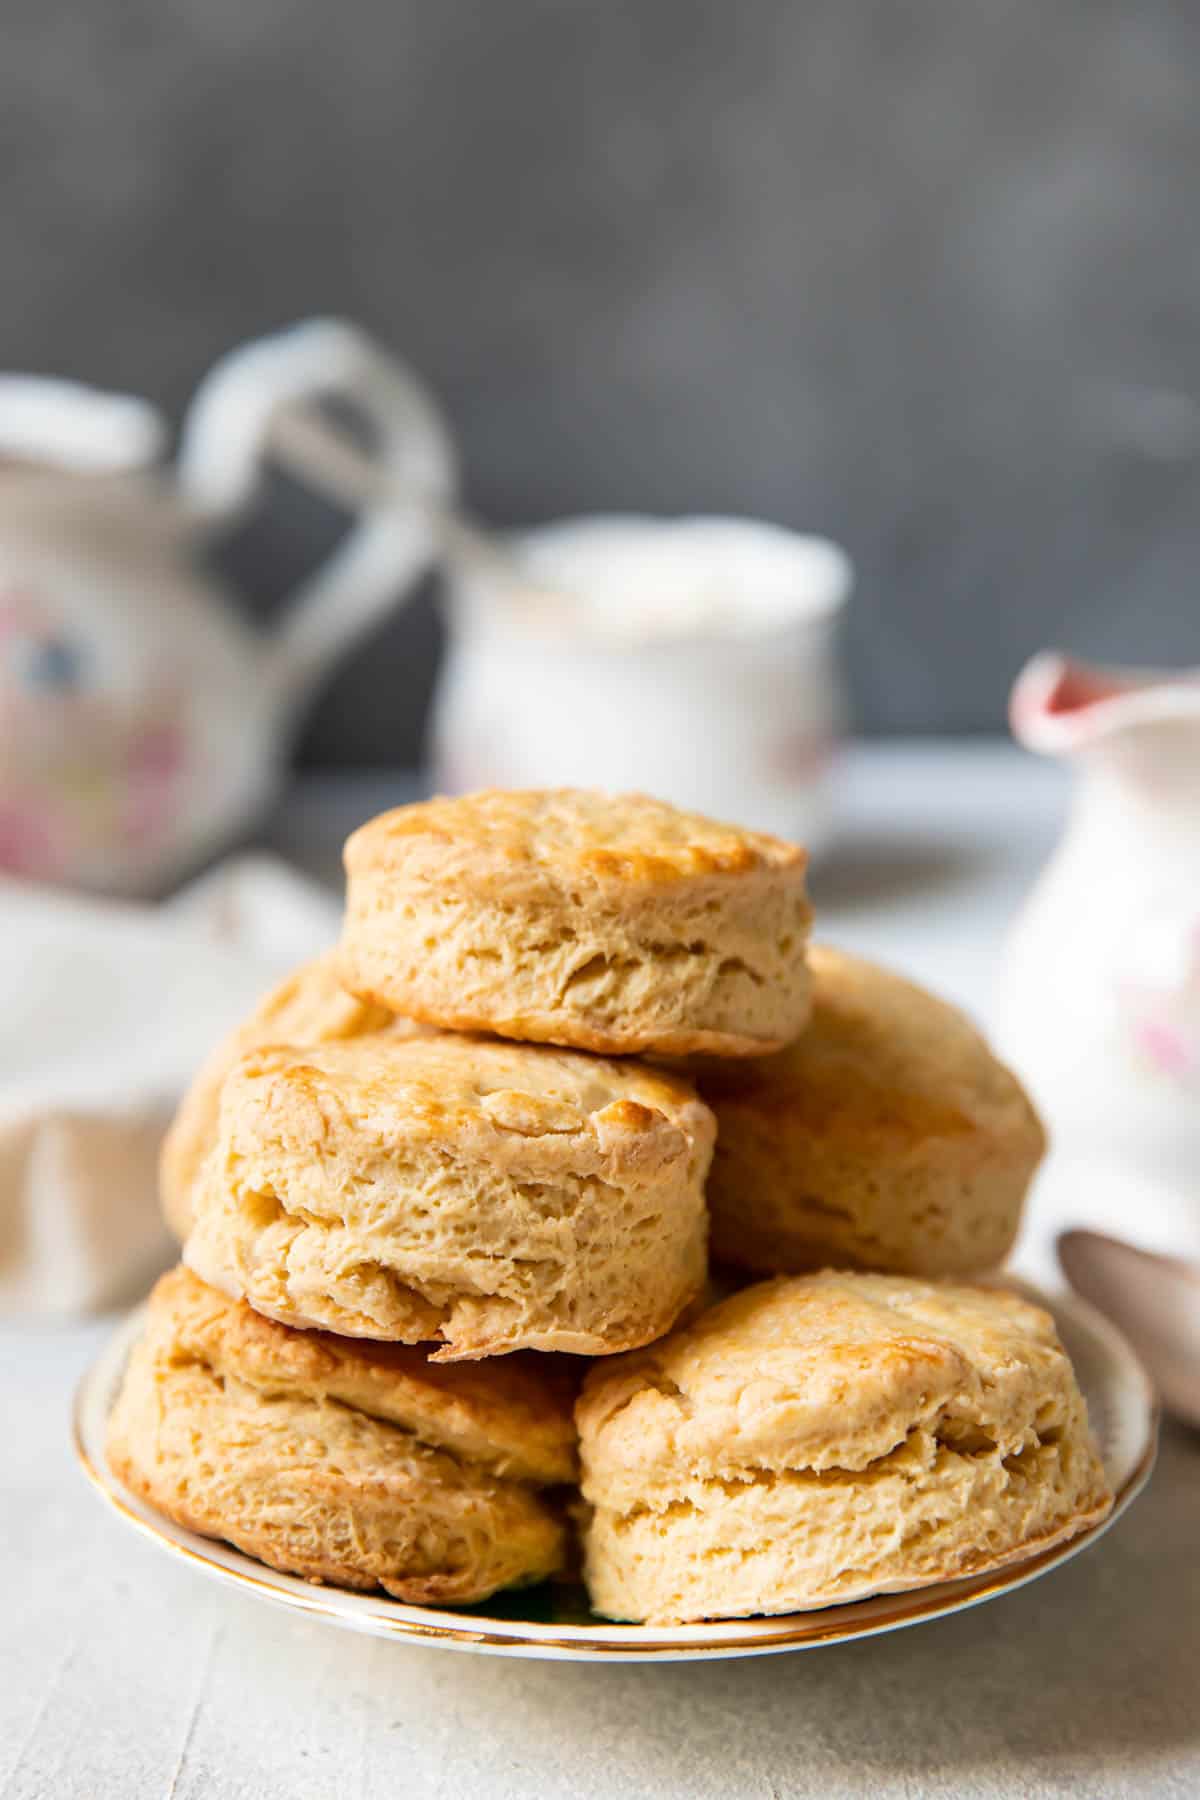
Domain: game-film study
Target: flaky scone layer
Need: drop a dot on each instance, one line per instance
(309, 1007)
(818, 1439)
(330, 1462)
(490, 1196)
(612, 923)
(887, 1137)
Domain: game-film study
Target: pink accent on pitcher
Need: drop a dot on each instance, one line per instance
(1059, 706)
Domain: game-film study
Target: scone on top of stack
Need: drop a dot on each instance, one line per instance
(432, 1174)
(818, 1438)
(482, 1196)
(612, 923)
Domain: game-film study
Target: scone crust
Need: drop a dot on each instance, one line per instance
(512, 1416)
(486, 1195)
(310, 1006)
(887, 1137)
(610, 923)
(816, 1439)
(341, 1463)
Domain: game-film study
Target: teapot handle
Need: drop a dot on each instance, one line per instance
(256, 404)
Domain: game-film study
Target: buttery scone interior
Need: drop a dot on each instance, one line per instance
(309, 1006)
(822, 1438)
(356, 1464)
(888, 1137)
(611, 923)
(489, 1196)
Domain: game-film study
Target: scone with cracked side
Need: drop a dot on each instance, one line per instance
(887, 1137)
(356, 1464)
(816, 1439)
(490, 1196)
(612, 923)
(309, 1007)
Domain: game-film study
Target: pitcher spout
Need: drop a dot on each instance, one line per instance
(1060, 707)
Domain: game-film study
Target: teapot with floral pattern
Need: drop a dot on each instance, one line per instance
(143, 721)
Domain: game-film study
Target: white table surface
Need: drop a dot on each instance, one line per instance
(123, 1675)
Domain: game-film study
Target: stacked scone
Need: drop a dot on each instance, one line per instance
(442, 1167)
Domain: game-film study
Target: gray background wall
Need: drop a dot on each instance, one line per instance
(924, 276)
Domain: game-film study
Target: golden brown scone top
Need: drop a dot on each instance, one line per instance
(511, 1414)
(570, 833)
(493, 1098)
(825, 1371)
(884, 1058)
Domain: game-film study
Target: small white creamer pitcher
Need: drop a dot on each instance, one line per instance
(1100, 1005)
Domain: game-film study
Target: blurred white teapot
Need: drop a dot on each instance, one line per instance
(142, 722)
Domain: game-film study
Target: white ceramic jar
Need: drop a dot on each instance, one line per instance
(690, 658)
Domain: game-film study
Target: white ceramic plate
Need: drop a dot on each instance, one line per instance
(549, 1622)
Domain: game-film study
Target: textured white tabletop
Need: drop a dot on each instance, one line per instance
(124, 1675)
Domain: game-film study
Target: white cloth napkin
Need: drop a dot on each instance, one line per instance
(108, 1009)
